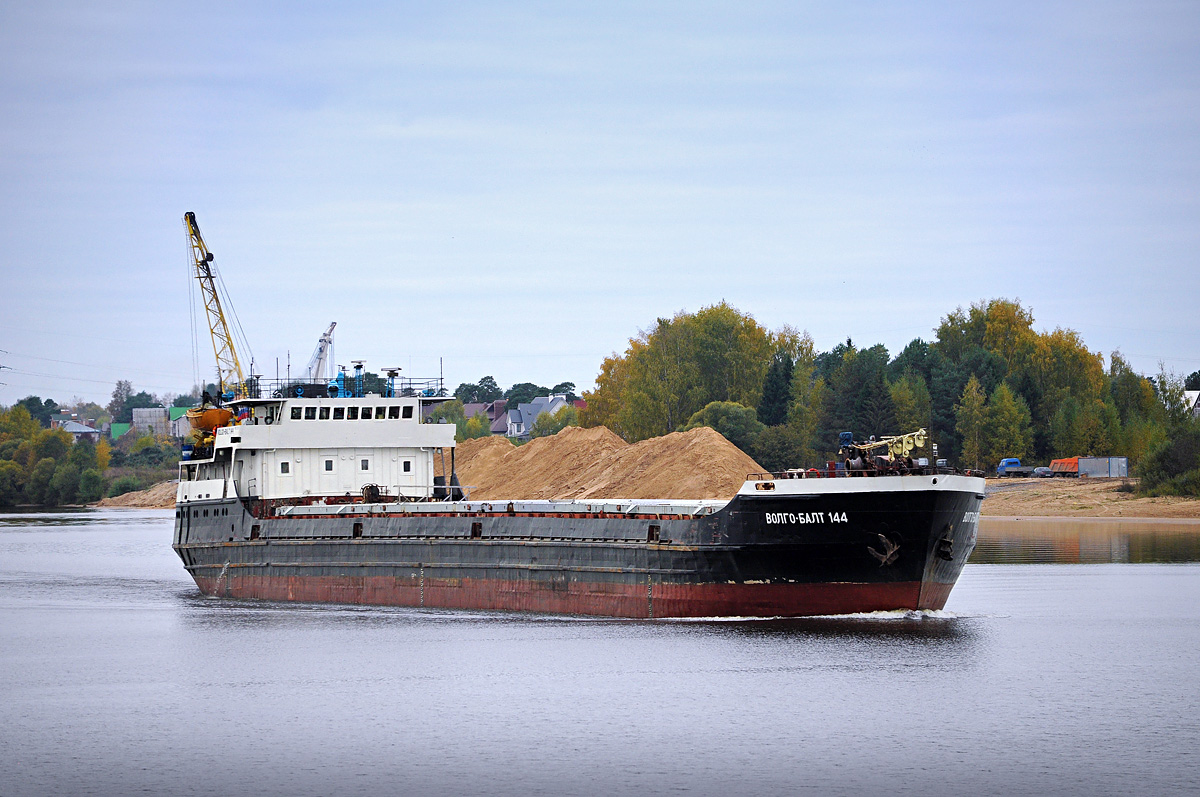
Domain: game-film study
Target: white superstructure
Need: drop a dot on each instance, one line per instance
(297, 447)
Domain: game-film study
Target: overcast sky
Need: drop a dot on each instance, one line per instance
(520, 188)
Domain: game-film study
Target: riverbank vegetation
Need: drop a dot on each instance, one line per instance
(45, 467)
(987, 386)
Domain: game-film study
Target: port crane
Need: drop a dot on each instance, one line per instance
(231, 381)
(319, 367)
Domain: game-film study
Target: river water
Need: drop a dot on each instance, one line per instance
(1077, 677)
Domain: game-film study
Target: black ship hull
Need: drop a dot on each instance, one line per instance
(852, 545)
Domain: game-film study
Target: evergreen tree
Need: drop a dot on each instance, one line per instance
(777, 390)
(39, 410)
(946, 384)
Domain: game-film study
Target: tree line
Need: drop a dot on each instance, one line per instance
(45, 466)
(987, 386)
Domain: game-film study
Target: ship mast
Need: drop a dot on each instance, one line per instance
(229, 370)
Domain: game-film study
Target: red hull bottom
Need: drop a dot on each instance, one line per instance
(611, 600)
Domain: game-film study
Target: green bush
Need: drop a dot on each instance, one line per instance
(778, 448)
(37, 489)
(125, 484)
(12, 483)
(1173, 466)
(64, 486)
(91, 486)
(737, 423)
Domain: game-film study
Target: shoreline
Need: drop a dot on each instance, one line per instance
(1008, 501)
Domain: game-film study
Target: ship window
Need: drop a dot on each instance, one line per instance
(328, 465)
(352, 413)
(285, 468)
(366, 413)
(295, 413)
(366, 464)
(407, 465)
(310, 413)
(379, 413)
(393, 413)
(339, 413)
(324, 414)
(408, 412)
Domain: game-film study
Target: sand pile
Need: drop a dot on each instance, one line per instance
(160, 496)
(595, 463)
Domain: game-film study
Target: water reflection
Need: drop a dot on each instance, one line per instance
(1086, 541)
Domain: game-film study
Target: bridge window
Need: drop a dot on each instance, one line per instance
(324, 413)
(366, 413)
(366, 464)
(295, 413)
(408, 412)
(393, 413)
(329, 466)
(352, 413)
(310, 413)
(285, 468)
(407, 466)
(379, 413)
(339, 413)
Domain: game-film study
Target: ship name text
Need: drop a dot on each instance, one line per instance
(805, 517)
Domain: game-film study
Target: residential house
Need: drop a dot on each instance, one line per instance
(1191, 398)
(521, 419)
(180, 425)
(80, 431)
(496, 414)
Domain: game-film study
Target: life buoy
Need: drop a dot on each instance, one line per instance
(813, 473)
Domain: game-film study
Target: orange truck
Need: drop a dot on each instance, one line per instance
(1065, 467)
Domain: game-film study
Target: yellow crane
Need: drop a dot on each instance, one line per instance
(230, 378)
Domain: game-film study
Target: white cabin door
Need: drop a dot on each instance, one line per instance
(328, 469)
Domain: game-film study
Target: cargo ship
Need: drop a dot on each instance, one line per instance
(337, 491)
(338, 498)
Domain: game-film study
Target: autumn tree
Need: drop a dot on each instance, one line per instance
(1008, 425)
(604, 403)
(120, 396)
(970, 415)
(910, 397)
(551, 423)
(806, 412)
(673, 370)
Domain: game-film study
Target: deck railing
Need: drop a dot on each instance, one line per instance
(832, 471)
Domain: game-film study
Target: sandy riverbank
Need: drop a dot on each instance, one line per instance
(160, 496)
(1094, 498)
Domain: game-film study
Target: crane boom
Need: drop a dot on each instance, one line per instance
(229, 369)
(318, 366)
